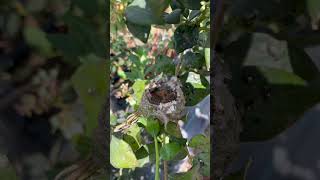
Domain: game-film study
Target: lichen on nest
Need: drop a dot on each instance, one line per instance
(163, 99)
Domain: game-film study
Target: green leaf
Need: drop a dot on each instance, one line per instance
(163, 64)
(173, 129)
(84, 33)
(131, 141)
(181, 154)
(195, 80)
(139, 31)
(194, 87)
(193, 60)
(113, 119)
(141, 153)
(200, 142)
(144, 12)
(134, 74)
(280, 77)
(204, 159)
(121, 154)
(133, 137)
(90, 83)
(170, 151)
(179, 140)
(37, 39)
(143, 121)
(135, 60)
(89, 7)
(138, 89)
(153, 127)
(68, 46)
(173, 17)
(207, 57)
(142, 156)
(185, 36)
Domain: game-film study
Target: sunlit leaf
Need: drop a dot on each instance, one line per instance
(121, 154)
(138, 89)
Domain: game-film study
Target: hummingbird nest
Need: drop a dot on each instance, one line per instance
(163, 99)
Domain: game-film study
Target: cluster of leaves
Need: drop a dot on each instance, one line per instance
(146, 140)
(67, 63)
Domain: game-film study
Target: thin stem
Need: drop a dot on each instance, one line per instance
(165, 163)
(165, 170)
(157, 175)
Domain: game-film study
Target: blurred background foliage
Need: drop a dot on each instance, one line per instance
(53, 82)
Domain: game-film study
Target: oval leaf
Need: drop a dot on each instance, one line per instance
(200, 142)
(153, 127)
(170, 151)
(121, 154)
(173, 17)
(139, 31)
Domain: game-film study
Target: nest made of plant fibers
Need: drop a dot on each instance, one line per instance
(163, 99)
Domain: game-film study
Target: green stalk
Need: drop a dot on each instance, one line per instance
(165, 163)
(157, 176)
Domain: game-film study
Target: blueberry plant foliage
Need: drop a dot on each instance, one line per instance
(264, 45)
(149, 141)
(55, 57)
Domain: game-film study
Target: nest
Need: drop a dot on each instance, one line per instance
(163, 99)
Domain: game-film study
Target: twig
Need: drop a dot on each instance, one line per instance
(165, 170)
